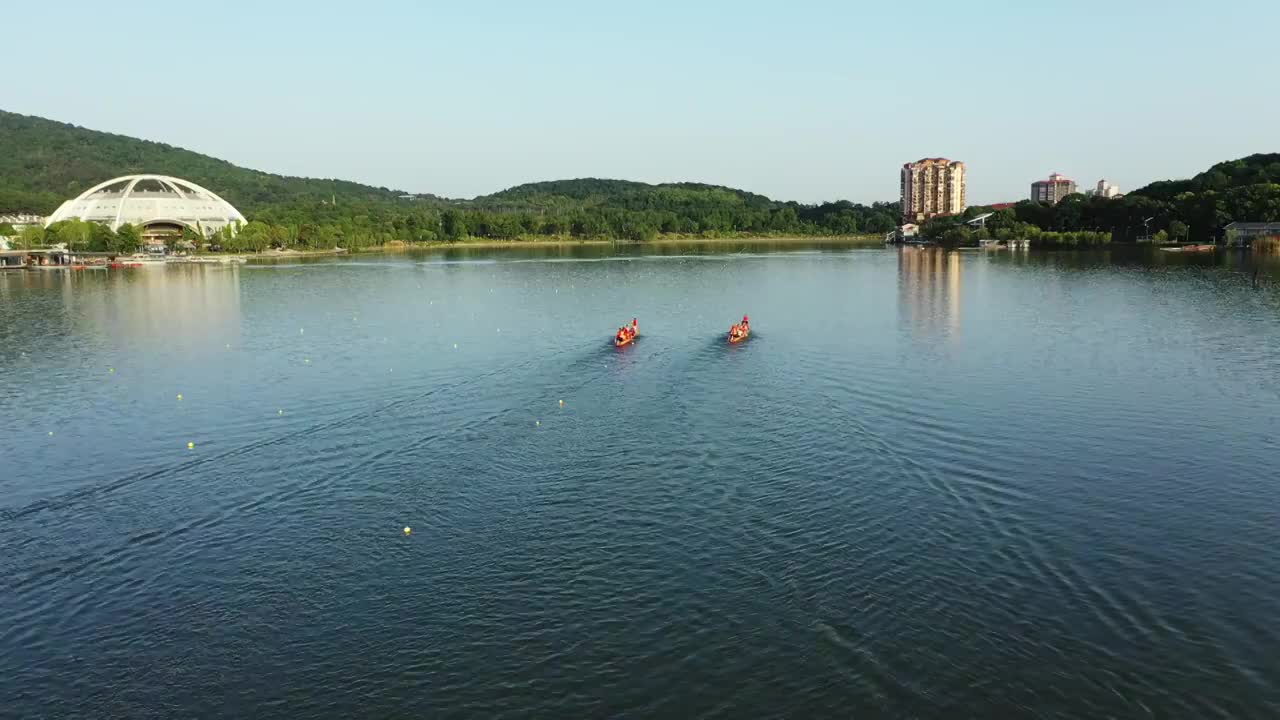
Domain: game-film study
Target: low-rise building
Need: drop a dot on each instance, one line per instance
(905, 232)
(1242, 234)
(22, 220)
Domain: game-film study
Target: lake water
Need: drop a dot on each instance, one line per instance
(930, 485)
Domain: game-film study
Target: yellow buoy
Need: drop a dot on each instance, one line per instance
(191, 446)
(50, 433)
(179, 396)
(279, 412)
(537, 423)
(111, 370)
(307, 361)
(561, 403)
(407, 530)
(455, 346)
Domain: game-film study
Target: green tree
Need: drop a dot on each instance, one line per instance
(956, 236)
(880, 223)
(502, 227)
(128, 238)
(1179, 231)
(32, 236)
(192, 237)
(587, 225)
(282, 236)
(75, 234)
(453, 225)
(638, 231)
(844, 223)
(7, 230)
(103, 239)
(255, 236)
(784, 219)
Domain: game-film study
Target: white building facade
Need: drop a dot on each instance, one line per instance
(21, 220)
(156, 204)
(1106, 189)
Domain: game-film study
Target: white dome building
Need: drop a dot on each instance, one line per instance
(156, 204)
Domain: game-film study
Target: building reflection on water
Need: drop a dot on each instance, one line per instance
(929, 291)
(189, 307)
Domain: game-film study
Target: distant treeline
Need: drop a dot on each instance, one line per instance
(354, 225)
(612, 209)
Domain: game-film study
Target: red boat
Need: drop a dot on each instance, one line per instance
(740, 332)
(627, 334)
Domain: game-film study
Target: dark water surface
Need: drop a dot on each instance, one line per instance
(930, 485)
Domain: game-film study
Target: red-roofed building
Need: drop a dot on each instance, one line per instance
(1052, 191)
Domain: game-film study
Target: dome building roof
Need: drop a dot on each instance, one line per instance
(150, 200)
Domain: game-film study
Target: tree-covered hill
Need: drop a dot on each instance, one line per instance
(1245, 190)
(1259, 169)
(624, 193)
(43, 162)
(581, 189)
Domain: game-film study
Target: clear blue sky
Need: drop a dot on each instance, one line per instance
(807, 100)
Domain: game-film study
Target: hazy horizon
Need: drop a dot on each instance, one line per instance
(818, 101)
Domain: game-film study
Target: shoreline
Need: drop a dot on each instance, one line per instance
(565, 241)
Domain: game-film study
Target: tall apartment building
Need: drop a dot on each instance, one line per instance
(1052, 191)
(932, 187)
